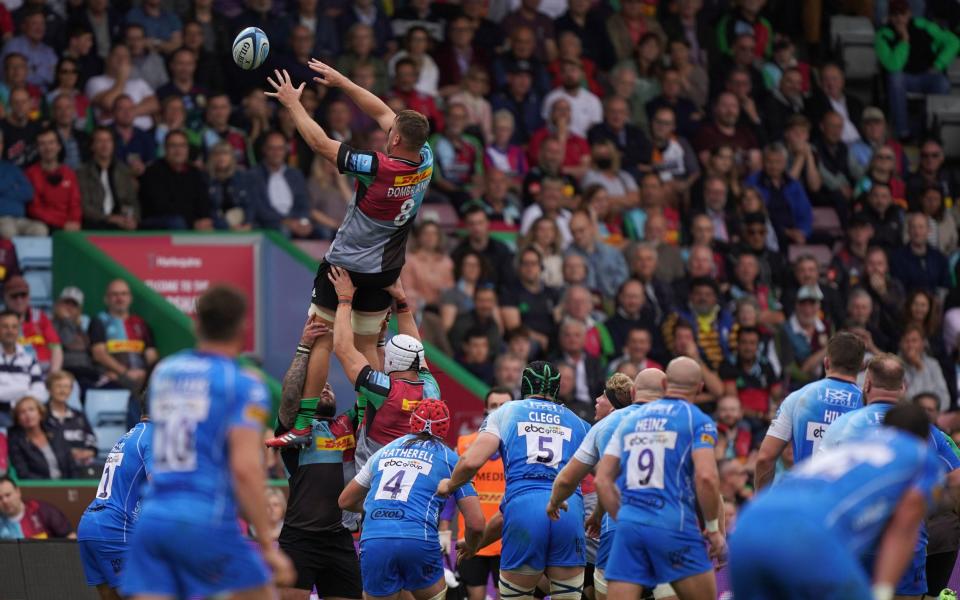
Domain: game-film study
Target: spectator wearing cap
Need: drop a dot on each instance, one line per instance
(607, 267)
(477, 226)
(918, 264)
(108, 190)
(915, 53)
(885, 216)
(848, 265)
(784, 197)
(161, 25)
(831, 96)
(458, 52)
(122, 342)
(519, 98)
(875, 137)
(281, 201)
(72, 327)
(521, 55)
(41, 58)
(932, 171)
(725, 129)
(802, 339)
(56, 193)
(806, 273)
(189, 208)
(527, 302)
(586, 109)
(29, 519)
(37, 334)
(710, 322)
(15, 194)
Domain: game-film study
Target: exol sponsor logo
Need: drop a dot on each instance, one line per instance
(387, 514)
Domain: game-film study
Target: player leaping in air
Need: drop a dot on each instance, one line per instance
(371, 242)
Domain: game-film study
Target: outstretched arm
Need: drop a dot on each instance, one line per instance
(350, 358)
(292, 389)
(475, 457)
(310, 130)
(406, 324)
(364, 98)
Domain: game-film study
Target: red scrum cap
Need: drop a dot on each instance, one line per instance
(431, 416)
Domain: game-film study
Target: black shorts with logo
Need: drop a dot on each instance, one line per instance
(370, 296)
(325, 560)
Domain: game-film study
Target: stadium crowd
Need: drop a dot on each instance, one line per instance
(630, 182)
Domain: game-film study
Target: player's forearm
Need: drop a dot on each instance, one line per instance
(310, 130)
(369, 103)
(406, 324)
(567, 480)
(463, 472)
(708, 495)
(249, 482)
(492, 532)
(292, 388)
(342, 330)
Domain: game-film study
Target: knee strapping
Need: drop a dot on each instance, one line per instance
(663, 590)
(512, 591)
(567, 589)
(600, 581)
(441, 595)
(321, 312)
(367, 323)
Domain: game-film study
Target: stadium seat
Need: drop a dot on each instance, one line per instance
(825, 221)
(943, 118)
(34, 252)
(953, 74)
(443, 214)
(107, 412)
(820, 252)
(852, 39)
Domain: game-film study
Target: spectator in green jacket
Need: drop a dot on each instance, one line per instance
(915, 53)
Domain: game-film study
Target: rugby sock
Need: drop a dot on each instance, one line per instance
(306, 413)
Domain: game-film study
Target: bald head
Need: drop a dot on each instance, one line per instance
(885, 378)
(649, 385)
(684, 378)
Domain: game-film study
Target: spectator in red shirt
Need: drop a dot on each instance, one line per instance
(37, 334)
(404, 88)
(576, 150)
(31, 519)
(56, 194)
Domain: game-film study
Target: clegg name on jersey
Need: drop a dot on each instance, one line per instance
(389, 192)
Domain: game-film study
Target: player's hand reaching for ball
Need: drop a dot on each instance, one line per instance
(341, 282)
(553, 509)
(283, 572)
(285, 92)
(328, 76)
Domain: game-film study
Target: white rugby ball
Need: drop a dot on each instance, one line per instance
(250, 48)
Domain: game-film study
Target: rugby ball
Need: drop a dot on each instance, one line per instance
(250, 48)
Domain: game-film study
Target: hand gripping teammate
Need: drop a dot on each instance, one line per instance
(536, 437)
(658, 466)
(371, 242)
(399, 546)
